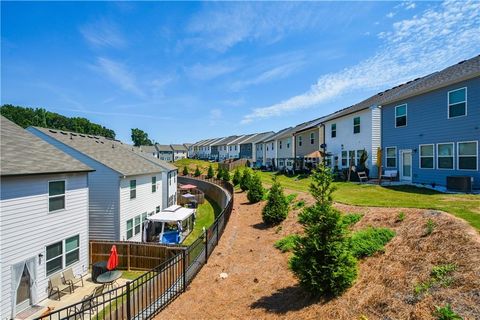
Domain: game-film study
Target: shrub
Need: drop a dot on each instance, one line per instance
(245, 180)
(440, 275)
(210, 172)
(185, 171)
(299, 204)
(366, 242)
(351, 218)
(322, 260)
(219, 173)
(197, 173)
(237, 176)
(429, 227)
(255, 189)
(400, 217)
(276, 209)
(290, 197)
(226, 175)
(287, 243)
(247, 163)
(446, 313)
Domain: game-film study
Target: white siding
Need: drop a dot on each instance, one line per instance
(27, 227)
(269, 151)
(104, 185)
(376, 139)
(145, 201)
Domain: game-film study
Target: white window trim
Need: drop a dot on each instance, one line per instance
(406, 115)
(331, 130)
(438, 156)
(386, 157)
(130, 189)
(63, 254)
(448, 103)
(458, 155)
(133, 228)
(420, 156)
(78, 248)
(135, 224)
(155, 184)
(49, 196)
(359, 125)
(312, 138)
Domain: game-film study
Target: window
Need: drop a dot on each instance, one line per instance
(230, 148)
(288, 143)
(457, 103)
(359, 154)
(344, 158)
(427, 154)
(144, 216)
(467, 155)
(356, 125)
(401, 116)
(235, 148)
(54, 257)
(391, 157)
(272, 147)
(129, 228)
(138, 222)
(56, 195)
(72, 250)
(300, 141)
(280, 144)
(351, 157)
(154, 184)
(333, 130)
(445, 156)
(312, 138)
(157, 209)
(133, 189)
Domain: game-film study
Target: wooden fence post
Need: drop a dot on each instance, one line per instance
(128, 257)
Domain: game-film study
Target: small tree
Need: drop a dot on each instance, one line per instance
(248, 164)
(276, 209)
(322, 259)
(185, 171)
(245, 180)
(379, 164)
(226, 175)
(210, 172)
(255, 189)
(237, 176)
(197, 173)
(219, 173)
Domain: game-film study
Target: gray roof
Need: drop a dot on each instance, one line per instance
(149, 149)
(164, 164)
(259, 137)
(178, 147)
(206, 142)
(240, 139)
(22, 153)
(163, 148)
(291, 131)
(278, 134)
(312, 124)
(225, 140)
(187, 145)
(120, 157)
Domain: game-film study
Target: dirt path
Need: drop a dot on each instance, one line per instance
(260, 286)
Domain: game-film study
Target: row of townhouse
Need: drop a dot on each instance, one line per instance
(428, 129)
(81, 186)
(169, 152)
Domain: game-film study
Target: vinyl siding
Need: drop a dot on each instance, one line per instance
(284, 152)
(428, 123)
(306, 146)
(376, 139)
(104, 184)
(26, 226)
(145, 201)
(246, 151)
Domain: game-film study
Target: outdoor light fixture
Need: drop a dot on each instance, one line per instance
(40, 256)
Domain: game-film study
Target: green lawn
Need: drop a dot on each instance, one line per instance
(464, 206)
(193, 163)
(206, 214)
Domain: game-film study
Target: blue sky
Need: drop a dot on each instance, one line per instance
(183, 71)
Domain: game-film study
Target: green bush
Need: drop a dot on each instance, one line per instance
(226, 175)
(210, 172)
(287, 243)
(197, 173)
(245, 180)
(255, 189)
(400, 217)
(440, 275)
(366, 242)
(237, 176)
(446, 313)
(185, 171)
(291, 197)
(351, 218)
(276, 209)
(299, 204)
(322, 259)
(219, 173)
(429, 227)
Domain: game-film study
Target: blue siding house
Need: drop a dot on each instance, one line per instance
(431, 130)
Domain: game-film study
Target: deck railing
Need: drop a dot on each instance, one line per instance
(147, 295)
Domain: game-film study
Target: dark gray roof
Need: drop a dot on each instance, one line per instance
(225, 140)
(149, 149)
(22, 153)
(312, 124)
(259, 137)
(241, 139)
(120, 157)
(178, 147)
(291, 131)
(278, 134)
(211, 141)
(163, 164)
(187, 145)
(163, 148)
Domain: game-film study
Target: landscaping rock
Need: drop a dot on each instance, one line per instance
(223, 275)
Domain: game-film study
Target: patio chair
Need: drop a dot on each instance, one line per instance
(71, 279)
(57, 285)
(88, 306)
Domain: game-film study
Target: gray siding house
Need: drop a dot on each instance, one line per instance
(252, 148)
(165, 152)
(42, 190)
(431, 130)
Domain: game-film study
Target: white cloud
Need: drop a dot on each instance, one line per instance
(210, 71)
(437, 38)
(118, 73)
(103, 33)
(391, 14)
(408, 5)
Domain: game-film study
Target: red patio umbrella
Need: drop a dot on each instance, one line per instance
(113, 259)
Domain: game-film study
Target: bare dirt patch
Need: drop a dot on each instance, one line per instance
(260, 286)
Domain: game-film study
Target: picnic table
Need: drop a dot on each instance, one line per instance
(109, 278)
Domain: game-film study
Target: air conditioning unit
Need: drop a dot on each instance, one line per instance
(460, 184)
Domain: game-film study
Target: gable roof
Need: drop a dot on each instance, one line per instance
(259, 137)
(163, 148)
(241, 139)
(188, 145)
(111, 153)
(149, 149)
(178, 147)
(278, 134)
(312, 124)
(22, 153)
(225, 140)
(163, 164)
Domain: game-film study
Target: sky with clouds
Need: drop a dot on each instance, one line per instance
(184, 71)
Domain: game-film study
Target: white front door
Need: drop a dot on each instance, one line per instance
(406, 165)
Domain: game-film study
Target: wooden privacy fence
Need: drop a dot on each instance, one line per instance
(133, 255)
(232, 164)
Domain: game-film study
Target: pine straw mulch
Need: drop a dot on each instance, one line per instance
(260, 286)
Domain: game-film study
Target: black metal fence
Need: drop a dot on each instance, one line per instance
(147, 295)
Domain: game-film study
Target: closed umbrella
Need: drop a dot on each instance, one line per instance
(113, 259)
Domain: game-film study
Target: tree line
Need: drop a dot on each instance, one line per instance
(39, 117)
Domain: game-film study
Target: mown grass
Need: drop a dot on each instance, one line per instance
(193, 163)
(206, 214)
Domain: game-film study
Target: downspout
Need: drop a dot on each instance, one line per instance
(294, 153)
(324, 144)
